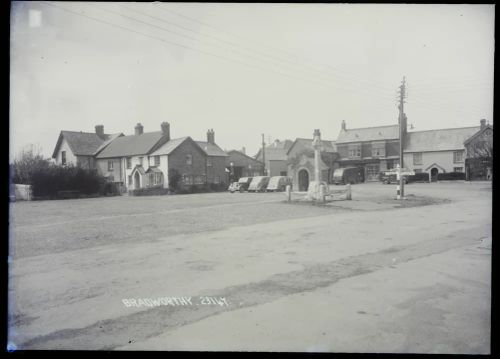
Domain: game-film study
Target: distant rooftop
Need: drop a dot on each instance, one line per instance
(368, 134)
(439, 140)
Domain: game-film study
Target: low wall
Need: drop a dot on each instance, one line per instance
(21, 192)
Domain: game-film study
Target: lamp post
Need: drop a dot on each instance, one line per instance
(232, 171)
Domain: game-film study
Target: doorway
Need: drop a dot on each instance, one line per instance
(303, 180)
(434, 174)
(137, 179)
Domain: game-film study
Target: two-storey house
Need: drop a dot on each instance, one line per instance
(77, 148)
(374, 149)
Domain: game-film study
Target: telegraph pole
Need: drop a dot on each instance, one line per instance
(402, 124)
(263, 156)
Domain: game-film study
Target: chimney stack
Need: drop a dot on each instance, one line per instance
(165, 129)
(139, 129)
(99, 130)
(343, 125)
(483, 123)
(243, 150)
(211, 136)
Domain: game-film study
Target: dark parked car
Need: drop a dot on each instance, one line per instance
(347, 175)
(388, 178)
(278, 183)
(241, 185)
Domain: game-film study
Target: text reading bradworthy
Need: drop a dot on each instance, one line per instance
(174, 301)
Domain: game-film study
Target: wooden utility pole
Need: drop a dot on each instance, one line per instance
(263, 156)
(402, 124)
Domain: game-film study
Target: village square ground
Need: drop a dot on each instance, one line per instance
(358, 276)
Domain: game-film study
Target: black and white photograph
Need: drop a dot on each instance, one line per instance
(250, 177)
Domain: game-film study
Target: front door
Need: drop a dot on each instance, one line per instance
(137, 181)
(434, 174)
(303, 180)
(372, 172)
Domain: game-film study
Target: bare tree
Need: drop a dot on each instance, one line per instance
(26, 163)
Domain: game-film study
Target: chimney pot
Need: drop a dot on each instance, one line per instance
(165, 129)
(99, 130)
(211, 136)
(483, 123)
(343, 125)
(139, 129)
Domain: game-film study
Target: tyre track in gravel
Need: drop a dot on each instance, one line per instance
(110, 334)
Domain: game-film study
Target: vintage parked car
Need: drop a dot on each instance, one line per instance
(241, 185)
(347, 175)
(388, 178)
(259, 184)
(278, 183)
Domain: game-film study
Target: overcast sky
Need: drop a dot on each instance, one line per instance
(245, 69)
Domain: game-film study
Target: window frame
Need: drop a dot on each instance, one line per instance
(156, 160)
(129, 162)
(63, 158)
(417, 155)
(110, 165)
(189, 159)
(455, 155)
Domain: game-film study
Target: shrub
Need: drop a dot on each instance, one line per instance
(174, 178)
(54, 181)
(419, 177)
(155, 191)
(451, 176)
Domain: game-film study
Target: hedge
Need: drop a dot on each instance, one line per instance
(451, 176)
(55, 182)
(155, 191)
(211, 187)
(419, 177)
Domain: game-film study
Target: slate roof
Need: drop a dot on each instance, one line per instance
(211, 149)
(133, 145)
(240, 158)
(107, 142)
(81, 143)
(368, 134)
(169, 146)
(276, 151)
(438, 140)
(328, 146)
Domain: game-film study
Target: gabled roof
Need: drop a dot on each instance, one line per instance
(478, 133)
(378, 133)
(235, 155)
(169, 146)
(276, 151)
(107, 142)
(438, 140)
(138, 168)
(153, 169)
(211, 149)
(133, 145)
(81, 143)
(328, 146)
